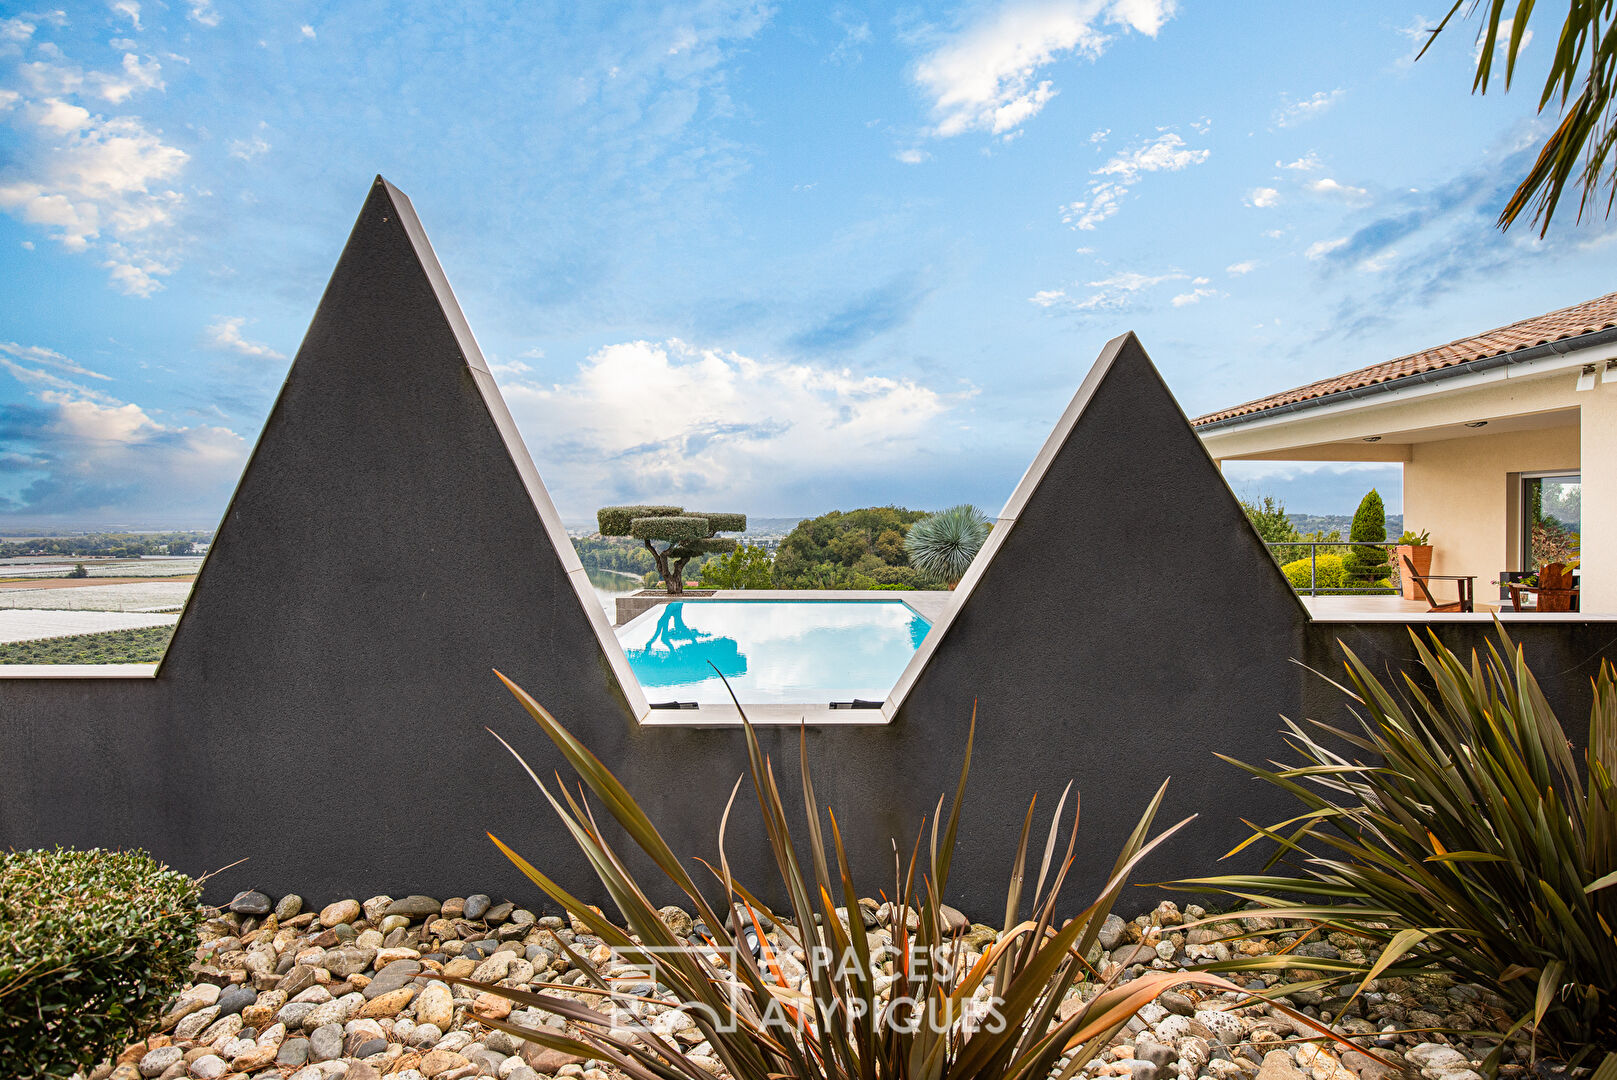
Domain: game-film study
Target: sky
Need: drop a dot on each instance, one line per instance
(776, 259)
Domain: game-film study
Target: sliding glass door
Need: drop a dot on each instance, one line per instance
(1552, 509)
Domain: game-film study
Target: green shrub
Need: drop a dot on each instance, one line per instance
(1330, 572)
(92, 943)
(1462, 838)
(747, 567)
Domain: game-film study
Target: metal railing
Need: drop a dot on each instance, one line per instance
(1344, 546)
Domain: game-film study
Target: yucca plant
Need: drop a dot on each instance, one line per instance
(1462, 841)
(836, 1023)
(944, 544)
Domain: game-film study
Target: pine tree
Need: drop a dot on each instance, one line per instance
(1368, 565)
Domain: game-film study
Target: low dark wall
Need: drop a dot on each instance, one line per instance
(321, 710)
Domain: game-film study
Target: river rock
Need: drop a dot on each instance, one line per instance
(1277, 1065)
(415, 907)
(156, 1062)
(293, 1052)
(251, 902)
(234, 999)
(346, 960)
(436, 1062)
(435, 1006)
(343, 911)
(388, 1004)
(325, 1042)
(477, 906)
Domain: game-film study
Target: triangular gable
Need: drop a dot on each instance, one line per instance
(390, 499)
(1121, 517)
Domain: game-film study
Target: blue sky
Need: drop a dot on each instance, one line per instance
(779, 259)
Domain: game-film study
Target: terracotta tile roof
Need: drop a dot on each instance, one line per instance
(1585, 318)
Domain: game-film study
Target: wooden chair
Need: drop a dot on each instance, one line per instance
(1463, 604)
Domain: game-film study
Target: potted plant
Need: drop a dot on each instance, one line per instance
(1417, 548)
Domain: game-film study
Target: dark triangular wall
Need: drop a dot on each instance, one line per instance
(1123, 620)
(321, 711)
(389, 499)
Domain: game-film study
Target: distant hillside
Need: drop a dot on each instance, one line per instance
(1342, 523)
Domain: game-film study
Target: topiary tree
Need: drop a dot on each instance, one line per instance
(944, 544)
(1367, 565)
(685, 536)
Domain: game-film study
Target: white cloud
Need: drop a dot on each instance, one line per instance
(1116, 291)
(129, 9)
(1380, 261)
(1119, 289)
(1166, 153)
(1323, 248)
(509, 368)
(1293, 113)
(1307, 163)
(1263, 197)
(742, 424)
(1501, 42)
(92, 180)
(134, 273)
(202, 11)
(1104, 200)
(137, 75)
(1195, 296)
(225, 333)
(1327, 186)
(912, 156)
(48, 358)
(85, 450)
(1244, 267)
(985, 76)
(1098, 137)
(248, 149)
(307, 31)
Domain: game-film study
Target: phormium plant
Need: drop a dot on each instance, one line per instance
(1003, 1017)
(92, 943)
(1463, 839)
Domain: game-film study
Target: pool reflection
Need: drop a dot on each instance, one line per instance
(675, 654)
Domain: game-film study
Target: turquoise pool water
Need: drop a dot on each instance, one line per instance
(786, 652)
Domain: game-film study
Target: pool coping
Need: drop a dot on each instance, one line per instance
(778, 713)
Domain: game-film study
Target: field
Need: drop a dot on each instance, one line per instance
(142, 646)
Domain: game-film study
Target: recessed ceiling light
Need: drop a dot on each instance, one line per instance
(1477, 423)
(1372, 438)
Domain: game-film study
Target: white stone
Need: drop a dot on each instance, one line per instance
(209, 1067)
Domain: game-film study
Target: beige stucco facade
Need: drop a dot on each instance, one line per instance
(1464, 443)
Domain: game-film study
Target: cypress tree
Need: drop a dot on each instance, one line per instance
(1368, 565)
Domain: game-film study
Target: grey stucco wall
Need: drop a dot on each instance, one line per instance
(321, 710)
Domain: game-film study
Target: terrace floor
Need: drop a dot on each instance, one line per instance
(1397, 609)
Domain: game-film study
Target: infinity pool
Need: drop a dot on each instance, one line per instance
(787, 652)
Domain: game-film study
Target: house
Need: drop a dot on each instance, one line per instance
(1493, 431)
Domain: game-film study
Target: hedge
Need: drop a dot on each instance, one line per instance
(92, 944)
(1330, 573)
